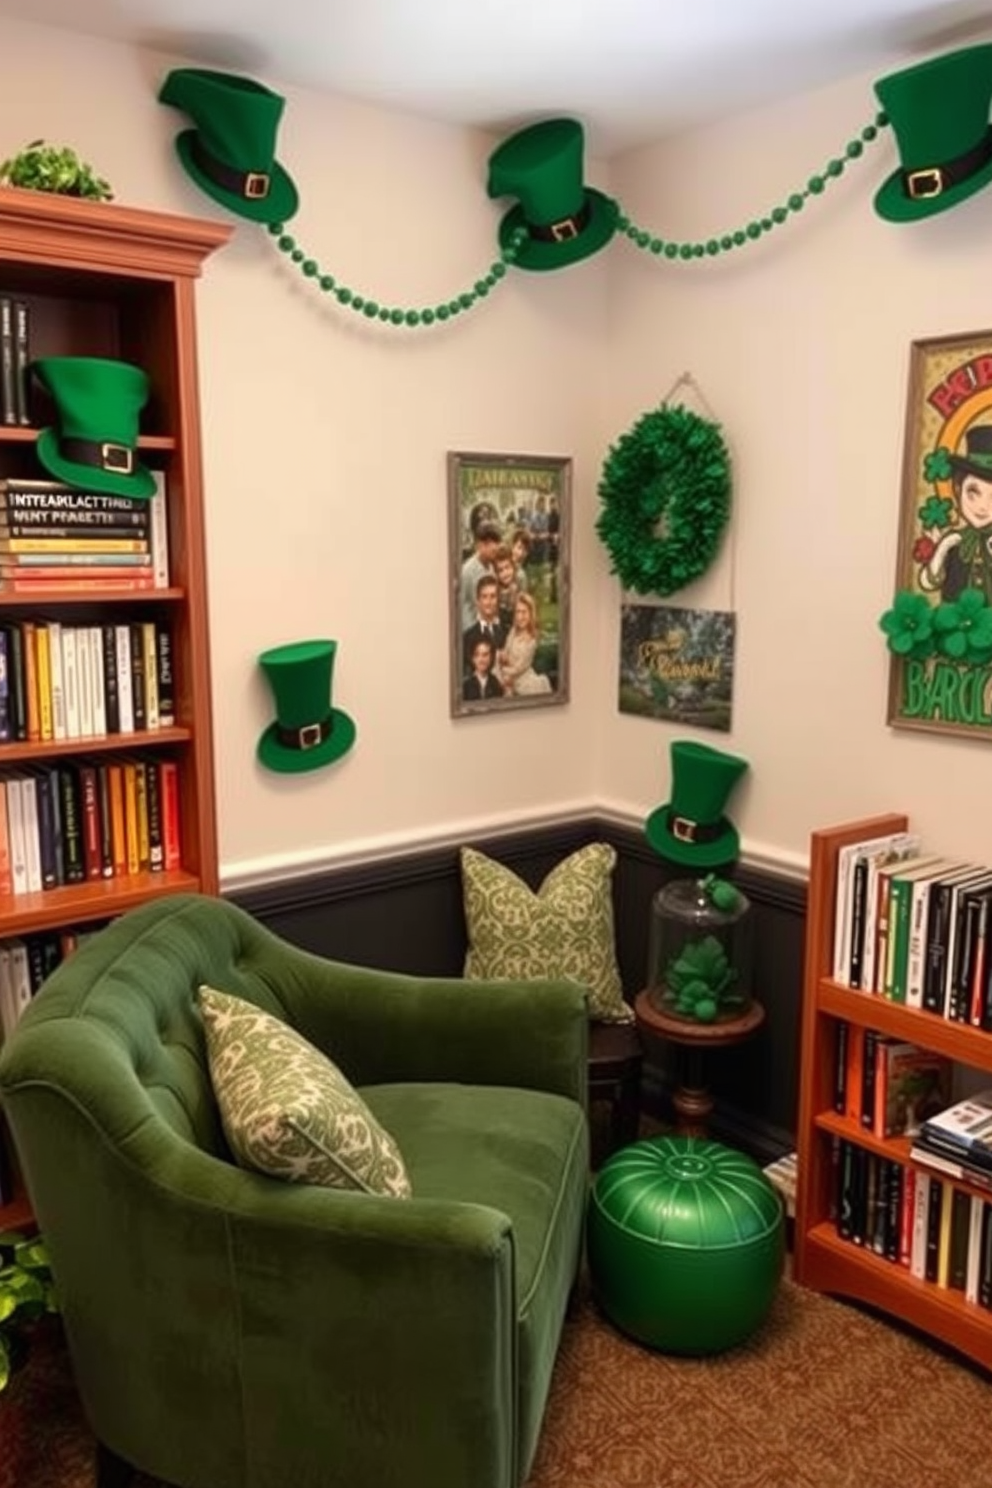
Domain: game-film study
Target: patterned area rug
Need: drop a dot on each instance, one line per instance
(824, 1396)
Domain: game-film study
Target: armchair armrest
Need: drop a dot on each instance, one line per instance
(383, 1026)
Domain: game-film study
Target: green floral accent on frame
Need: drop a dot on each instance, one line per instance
(937, 465)
(287, 1110)
(909, 626)
(565, 930)
(936, 512)
(964, 628)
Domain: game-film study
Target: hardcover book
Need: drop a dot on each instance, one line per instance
(912, 1084)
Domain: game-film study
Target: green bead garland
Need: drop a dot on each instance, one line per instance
(394, 315)
(648, 242)
(815, 187)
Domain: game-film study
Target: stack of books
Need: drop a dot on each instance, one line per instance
(958, 1141)
(54, 538)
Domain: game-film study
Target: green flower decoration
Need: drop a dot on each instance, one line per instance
(937, 465)
(721, 894)
(964, 628)
(936, 512)
(702, 963)
(909, 626)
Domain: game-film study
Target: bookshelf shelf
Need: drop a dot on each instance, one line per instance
(22, 914)
(149, 442)
(12, 754)
(956, 1040)
(824, 1260)
(91, 597)
(107, 281)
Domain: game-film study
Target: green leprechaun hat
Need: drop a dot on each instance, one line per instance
(977, 457)
(564, 221)
(691, 827)
(939, 111)
(231, 152)
(308, 732)
(97, 402)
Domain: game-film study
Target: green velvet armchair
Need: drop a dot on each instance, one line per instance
(228, 1330)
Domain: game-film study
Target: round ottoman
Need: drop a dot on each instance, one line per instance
(685, 1243)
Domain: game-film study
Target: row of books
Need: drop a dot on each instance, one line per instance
(15, 354)
(62, 682)
(886, 1085)
(914, 927)
(938, 1232)
(89, 819)
(53, 536)
(26, 962)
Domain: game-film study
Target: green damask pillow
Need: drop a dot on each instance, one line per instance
(287, 1110)
(564, 930)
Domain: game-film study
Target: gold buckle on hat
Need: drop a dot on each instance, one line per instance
(564, 231)
(118, 458)
(683, 830)
(924, 183)
(310, 735)
(256, 184)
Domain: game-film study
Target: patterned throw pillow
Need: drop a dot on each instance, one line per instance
(287, 1110)
(564, 930)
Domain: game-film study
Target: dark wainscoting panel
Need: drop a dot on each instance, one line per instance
(405, 914)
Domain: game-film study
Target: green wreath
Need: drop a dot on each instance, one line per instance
(665, 490)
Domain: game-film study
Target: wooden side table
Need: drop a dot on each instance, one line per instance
(615, 1058)
(691, 1097)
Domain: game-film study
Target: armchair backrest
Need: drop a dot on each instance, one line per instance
(121, 1014)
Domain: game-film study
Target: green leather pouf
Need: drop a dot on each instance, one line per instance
(685, 1243)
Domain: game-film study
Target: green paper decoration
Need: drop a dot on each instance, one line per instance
(665, 491)
(961, 629)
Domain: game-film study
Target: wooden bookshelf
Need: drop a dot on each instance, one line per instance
(823, 1260)
(111, 281)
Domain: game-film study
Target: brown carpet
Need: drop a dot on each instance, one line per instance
(824, 1396)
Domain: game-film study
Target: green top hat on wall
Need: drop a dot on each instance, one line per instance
(564, 221)
(691, 827)
(98, 402)
(231, 152)
(939, 111)
(308, 732)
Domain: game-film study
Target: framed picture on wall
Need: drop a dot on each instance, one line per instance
(509, 521)
(940, 627)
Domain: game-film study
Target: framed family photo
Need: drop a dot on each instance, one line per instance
(941, 682)
(509, 522)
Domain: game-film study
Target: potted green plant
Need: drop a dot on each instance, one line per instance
(26, 1295)
(43, 167)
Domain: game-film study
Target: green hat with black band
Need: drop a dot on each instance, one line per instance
(564, 220)
(691, 828)
(939, 111)
(308, 732)
(98, 402)
(977, 457)
(231, 152)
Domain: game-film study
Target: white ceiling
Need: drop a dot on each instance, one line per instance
(631, 70)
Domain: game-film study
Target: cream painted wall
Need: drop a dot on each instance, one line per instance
(325, 442)
(325, 445)
(801, 346)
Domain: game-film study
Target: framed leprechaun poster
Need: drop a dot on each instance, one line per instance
(939, 628)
